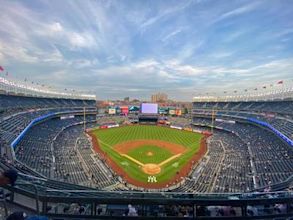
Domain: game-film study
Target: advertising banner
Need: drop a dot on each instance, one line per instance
(112, 111)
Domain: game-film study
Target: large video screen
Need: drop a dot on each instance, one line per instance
(149, 108)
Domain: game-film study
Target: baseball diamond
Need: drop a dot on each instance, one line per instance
(138, 152)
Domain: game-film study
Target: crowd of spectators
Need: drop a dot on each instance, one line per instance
(253, 153)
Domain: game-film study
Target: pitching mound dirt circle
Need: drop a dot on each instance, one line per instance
(151, 168)
(150, 154)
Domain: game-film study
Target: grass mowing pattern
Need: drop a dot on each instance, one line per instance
(110, 137)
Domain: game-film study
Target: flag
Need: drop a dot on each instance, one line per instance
(280, 82)
(1, 68)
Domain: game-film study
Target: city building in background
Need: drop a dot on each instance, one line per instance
(159, 97)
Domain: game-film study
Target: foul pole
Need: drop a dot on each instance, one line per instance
(83, 118)
(213, 119)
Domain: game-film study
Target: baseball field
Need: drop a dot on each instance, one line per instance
(148, 155)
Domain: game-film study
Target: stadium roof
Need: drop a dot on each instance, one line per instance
(14, 87)
(272, 94)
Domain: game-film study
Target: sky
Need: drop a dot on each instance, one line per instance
(135, 48)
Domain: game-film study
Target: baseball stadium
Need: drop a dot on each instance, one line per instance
(146, 110)
(68, 154)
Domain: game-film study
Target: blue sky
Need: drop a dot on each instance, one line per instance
(136, 48)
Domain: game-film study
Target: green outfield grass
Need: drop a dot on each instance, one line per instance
(110, 137)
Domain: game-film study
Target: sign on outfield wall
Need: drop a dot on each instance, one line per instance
(172, 112)
(176, 127)
(113, 126)
(178, 112)
(124, 109)
(112, 111)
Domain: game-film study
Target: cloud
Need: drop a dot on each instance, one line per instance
(19, 28)
(2, 58)
(81, 40)
(283, 33)
(234, 35)
(189, 49)
(19, 53)
(55, 27)
(67, 37)
(120, 49)
(184, 70)
(238, 11)
(55, 57)
(172, 34)
(83, 63)
(223, 54)
(164, 12)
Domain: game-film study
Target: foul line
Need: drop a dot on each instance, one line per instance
(132, 159)
(169, 159)
(104, 143)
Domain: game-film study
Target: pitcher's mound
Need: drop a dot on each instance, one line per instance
(150, 154)
(151, 168)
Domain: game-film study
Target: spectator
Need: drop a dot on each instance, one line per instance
(8, 177)
(17, 216)
(131, 211)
